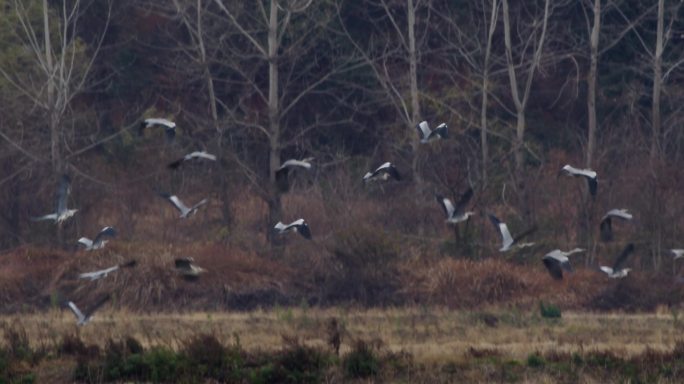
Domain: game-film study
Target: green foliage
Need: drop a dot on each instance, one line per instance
(300, 364)
(535, 360)
(362, 361)
(549, 311)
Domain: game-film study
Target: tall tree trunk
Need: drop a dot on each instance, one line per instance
(585, 223)
(520, 103)
(485, 90)
(274, 203)
(656, 144)
(657, 84)
(415, 102)
(519, 111)
(53, 118)
(207, 73)
(591, 84)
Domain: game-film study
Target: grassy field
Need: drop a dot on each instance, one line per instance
(472, 343)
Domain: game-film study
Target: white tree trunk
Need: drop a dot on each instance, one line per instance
(591, 84)
(415, 102)
(274, 204)
(657, 83)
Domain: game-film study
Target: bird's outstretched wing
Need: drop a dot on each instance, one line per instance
(463, 201)
(97, 274)
(199, 204)
(622, 257)
(446, 205)
(77, 312)
(503, 230)
(175, 201)
(105, 232)
(304, 230)
(184, 263)
(526, 232)
(554, 267)
(440, 131)
(99, 303)
(392, 171)
(593, 185)
(423, 130)
(86, 242)
(606, 229)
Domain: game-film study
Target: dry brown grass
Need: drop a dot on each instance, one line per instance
(431, 335)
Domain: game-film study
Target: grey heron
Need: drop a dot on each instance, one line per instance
(62, 213)
(678, 253)
(591, 176)
(282, 173)
(181, 207)
(192, 156)
(96, 275)
(606, 225)
(556, 261)
(617, 271)
(99, 241)
(507, 240)
(82, 318)
(426, 135)
(300, 226)
(383, 173)
(456, 214)
(187, 268)
(169, 126)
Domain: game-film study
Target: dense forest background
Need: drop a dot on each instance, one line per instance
(524, 86)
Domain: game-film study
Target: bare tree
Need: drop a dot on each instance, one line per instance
(485, 89)
(273, 61)
(392, 43)
(63, 65)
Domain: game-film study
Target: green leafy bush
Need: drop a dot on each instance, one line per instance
(535, 360)
(362, 361)
(549, 311)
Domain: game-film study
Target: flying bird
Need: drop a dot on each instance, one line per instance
(617, 271)
(62, 213)
(677, 253)
(606, 225)
(82, 318)
(556, 261)
(300, 226)
(96, 275)
(592, 179)
(182, 208)
(383, 173)
(283, 172)
(456, 214)
(426, 135)
(187, 268)
(99, 241)
(169, 126)
(192, 156)
(507, 240)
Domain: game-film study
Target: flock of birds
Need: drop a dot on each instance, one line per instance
(556, 262)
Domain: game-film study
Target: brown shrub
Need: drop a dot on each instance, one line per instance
(466, 283)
